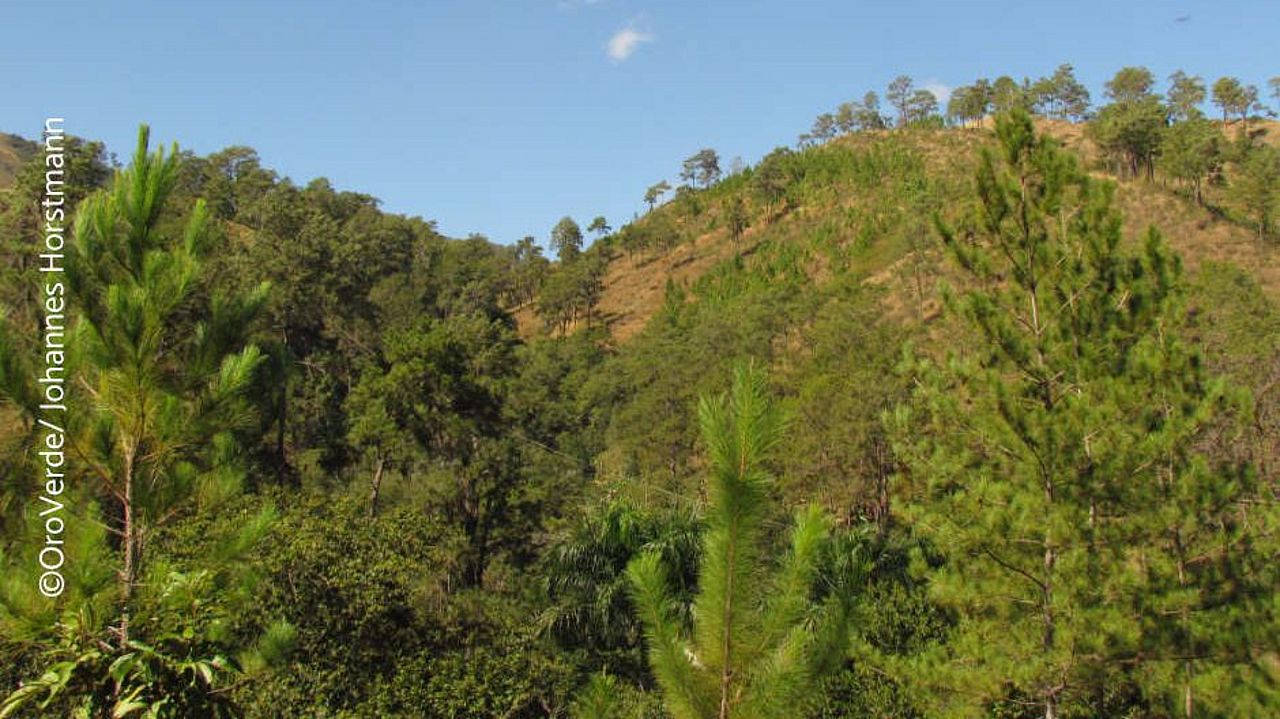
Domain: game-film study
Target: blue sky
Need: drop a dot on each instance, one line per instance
(500, 117)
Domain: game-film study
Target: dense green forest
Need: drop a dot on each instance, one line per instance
(963, 411)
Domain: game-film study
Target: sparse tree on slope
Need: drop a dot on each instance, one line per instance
(868, 113)
(1186, 92)
(969, 103)
(1131, 128)
(824, 127)
(846, 118)
(701, 168)
(1192, 150)
(736, 219)
(566, 240)
(600, 226)
(1233, 97)
(1130, 84)
(1256, 187)
(1061, 95)
(655, 193)
(770, 178)
(899, 95)
(921, 106)
(1007, 95)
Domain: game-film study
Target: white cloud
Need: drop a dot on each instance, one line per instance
(940, 91)
(626, 41)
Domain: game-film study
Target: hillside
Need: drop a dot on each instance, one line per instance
(408, 504)
(14, 151)
(836, 221)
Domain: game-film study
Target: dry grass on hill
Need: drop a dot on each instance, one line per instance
(634, 290)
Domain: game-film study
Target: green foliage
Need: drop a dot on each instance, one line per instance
(572, 291)
(429, 557)
(838, 453)
(161, 376)
(1191, 151)
(736, 218)
(186, 660)
(1130, 85)
(22, 219)
(1233, 97)
(1007, 95)
(899, 96)
(894, 622)
(1087, 542)
(169, 680)
(655, 193)
(352, 589)
(566, 239)
(600, 226)
(757, 645)
(587, 585)
(506, 675)
(1130, 131)
(1061, 95)
(969, 103)
(771, 177)
(1186, 94)
(701, 168)
(1255, 186)
(441, 384)
(922, 108)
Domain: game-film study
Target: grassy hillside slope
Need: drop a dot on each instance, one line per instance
(861, 207)
(14, 151)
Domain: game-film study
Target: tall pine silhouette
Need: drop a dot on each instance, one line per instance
(1095, 559)
(758, 644)
(161, 373)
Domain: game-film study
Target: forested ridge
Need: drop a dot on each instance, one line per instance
(966, 410)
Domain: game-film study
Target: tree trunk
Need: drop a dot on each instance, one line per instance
(376, 486)
(281, 460)
(726, 671)
(128, 571)
(1050, 561)
(1188, 702)
(883, 471)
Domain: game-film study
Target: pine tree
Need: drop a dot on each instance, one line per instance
(736, 218)
(161, 374)
(758, 644)
(1186, 93)
(1255, 186)
(899, 95)
(655, 193)
(1190, 151)
(166, 399)
(566, 240)
(1087, 544)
